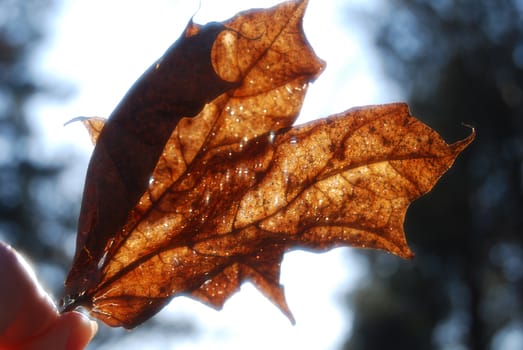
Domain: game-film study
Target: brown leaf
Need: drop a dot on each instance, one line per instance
(236, 187)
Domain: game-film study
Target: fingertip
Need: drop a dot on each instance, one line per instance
(26, 310)
(82, 330)
(28, 317)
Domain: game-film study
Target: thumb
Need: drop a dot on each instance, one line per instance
(70, 331)
(28, 317)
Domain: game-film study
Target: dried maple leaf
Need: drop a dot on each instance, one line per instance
(235, 187)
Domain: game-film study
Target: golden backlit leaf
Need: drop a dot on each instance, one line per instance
(235, 186)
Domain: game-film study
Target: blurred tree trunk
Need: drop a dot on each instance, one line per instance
(25, 217)
(457, 62)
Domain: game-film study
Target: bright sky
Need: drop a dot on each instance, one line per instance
(102, 47)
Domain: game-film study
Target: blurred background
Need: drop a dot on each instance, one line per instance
(454, 61)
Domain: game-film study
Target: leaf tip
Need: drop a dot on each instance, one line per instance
(462, 144)
(76, 119)
(408, 254)
(191, 29)
(279, 300)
